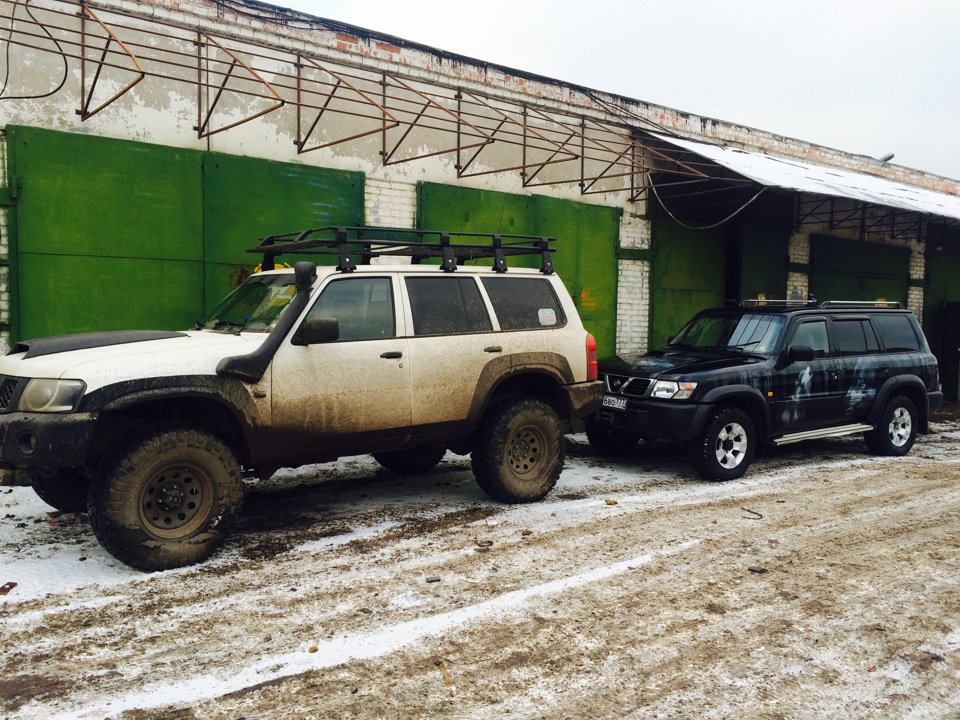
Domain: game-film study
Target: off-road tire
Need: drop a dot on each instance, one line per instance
(411, 461)
(166, 499)
(896, 430)
(63, 488)
(608, 440)
(519, 451)
(726, 446)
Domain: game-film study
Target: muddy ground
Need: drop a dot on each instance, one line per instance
(824, 584)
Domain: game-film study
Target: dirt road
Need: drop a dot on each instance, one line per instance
(822, 585)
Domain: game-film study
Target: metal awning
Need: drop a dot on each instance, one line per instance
(809, 178)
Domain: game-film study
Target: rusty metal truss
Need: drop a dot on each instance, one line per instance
(400, 117)
(239, 81)
(862, 218)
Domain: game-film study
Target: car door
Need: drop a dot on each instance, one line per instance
(355, 386)
(451, 341)
(862, 369)
(806, 392)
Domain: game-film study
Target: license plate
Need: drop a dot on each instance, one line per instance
(615, 401)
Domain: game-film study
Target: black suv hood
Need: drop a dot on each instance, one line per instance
(674, 362)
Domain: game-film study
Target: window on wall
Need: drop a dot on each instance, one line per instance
(446, 306)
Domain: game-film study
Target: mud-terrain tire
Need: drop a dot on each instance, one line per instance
(411, 461)
(63, 488)
(726, 446)
(896, 430)
(166, 499)
(608, 440)
(519, 451)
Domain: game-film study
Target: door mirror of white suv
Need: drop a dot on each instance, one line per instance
(319, 330)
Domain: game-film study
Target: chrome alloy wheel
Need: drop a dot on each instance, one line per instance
(900, 427)
(731, 446)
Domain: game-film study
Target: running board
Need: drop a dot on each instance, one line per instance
(822, 433)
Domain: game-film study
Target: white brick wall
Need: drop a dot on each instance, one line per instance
(390, 204)
(4, 250)
(635, 232)
(633, 305)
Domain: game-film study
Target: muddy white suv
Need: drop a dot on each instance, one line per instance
(151, 431)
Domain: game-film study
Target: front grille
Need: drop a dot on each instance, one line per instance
(8, 386)
(623, 385)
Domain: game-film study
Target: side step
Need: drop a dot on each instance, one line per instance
(822, 433)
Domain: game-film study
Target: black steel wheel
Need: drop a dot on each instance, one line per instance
(519, 451)
(897, 429)
(167, 499)
(726, 446)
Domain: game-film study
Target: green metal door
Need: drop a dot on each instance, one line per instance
(763, 262)
(587, 238)
(689, 274)
(852, 270)
(248, 198)
(112, 234)
(107, 233)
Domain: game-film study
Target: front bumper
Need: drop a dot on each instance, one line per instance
(45, 439)
(657, 420)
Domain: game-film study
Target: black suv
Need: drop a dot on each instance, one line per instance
(774, 372)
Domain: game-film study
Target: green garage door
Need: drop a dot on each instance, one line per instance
(587, 238)
(107, 233)
(114, 234)
(852, 270)
(689, 274)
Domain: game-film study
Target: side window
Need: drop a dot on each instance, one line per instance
(363, 307)
(447, 306)
(813, 334)
(855, 337)
(896, 332)
(524, 303)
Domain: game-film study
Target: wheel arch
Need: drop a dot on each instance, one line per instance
(909, 386)
(746, 398)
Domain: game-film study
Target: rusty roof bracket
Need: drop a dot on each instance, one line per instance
(87, 96)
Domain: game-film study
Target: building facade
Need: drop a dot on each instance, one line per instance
(145, 144)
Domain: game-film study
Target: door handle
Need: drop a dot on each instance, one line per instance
(493, 349)
(392, 355)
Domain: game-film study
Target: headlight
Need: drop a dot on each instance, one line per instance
(43, 395)
(671, 390)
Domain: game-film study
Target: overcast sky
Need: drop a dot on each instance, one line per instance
(865, 76)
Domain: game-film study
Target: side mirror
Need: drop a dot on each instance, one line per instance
(800, 353)
(318, 330)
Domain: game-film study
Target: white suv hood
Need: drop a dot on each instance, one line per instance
(193, 353)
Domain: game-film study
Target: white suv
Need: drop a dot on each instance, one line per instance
(151, 430)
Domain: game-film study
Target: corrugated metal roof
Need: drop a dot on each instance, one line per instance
(806, 177)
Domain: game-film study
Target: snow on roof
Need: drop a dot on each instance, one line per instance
(806, 177)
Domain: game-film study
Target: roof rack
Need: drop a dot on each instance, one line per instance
(780, 303)
(862, 303)
(371, 242)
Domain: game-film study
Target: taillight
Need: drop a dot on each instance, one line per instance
(591, 357)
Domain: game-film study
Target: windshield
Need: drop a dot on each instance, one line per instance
(747, 332)
(254, 306)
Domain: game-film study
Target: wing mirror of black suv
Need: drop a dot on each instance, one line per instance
(800, 353)
(319, 330)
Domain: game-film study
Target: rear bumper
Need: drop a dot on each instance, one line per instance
(583, 399)
(45, 439)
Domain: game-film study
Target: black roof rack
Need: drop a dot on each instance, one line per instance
(779, 303)
(893, 304)
(370, 242)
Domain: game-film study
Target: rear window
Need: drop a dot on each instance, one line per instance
(524, 303)
(897, 333)
(446, 306)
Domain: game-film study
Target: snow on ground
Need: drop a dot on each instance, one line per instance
(823, 584)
